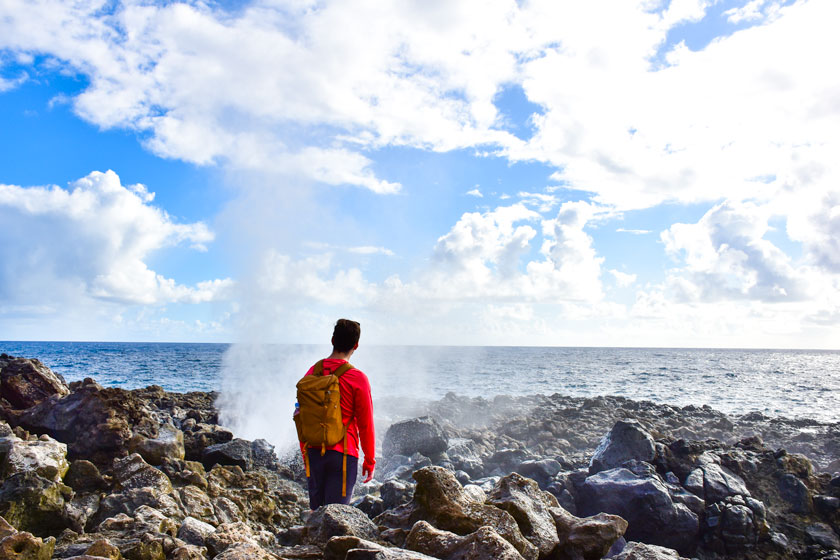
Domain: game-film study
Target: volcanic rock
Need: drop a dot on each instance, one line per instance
(43, 456)
(418, 435)
(585, 538)
(338, 520)
(522, 498)
(627, 440)
(26, 382)
(483, 543)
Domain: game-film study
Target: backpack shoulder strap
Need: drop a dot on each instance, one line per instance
(318, 368)
(342, 369)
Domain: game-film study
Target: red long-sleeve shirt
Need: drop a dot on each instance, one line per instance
(357, 407)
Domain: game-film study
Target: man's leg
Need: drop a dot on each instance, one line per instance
(332, 478)
(317, 477)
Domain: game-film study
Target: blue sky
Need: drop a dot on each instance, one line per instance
(580, 173)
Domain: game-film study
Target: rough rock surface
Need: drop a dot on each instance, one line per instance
(530, 507)
(626, 441)
(336, 520)
(589, 537)
(483, 543)
(25, 382)
(418, 435)
(642, 551)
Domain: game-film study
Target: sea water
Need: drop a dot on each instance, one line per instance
(791, 383)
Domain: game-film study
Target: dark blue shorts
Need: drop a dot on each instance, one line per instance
(325, 478)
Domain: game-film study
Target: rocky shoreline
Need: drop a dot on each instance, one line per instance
(93, 472)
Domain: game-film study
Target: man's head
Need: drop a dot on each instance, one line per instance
(346, 335)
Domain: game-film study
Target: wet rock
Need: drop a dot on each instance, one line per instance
(168, 444)
(522, 498)
(440, 500)
(584, 538)
(35, 504)
(483, 543)
(338, 520)
(43, 456)
(25, 382)
(83, 476)
(823, 535)
(645, 503)
(418, 435)
(133, 472)
(796, 493)
(194, 531)
(642, 551)
(626, 440)
(235, 452)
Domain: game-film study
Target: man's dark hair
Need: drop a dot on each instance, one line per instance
(346, 335)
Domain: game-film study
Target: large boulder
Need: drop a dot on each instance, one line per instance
(627, 440)
(194, 531)
(585, 538)
(644, 501)
(440, 499)
(44, 456)
(97, 424)
(235, 452)
(25, 383)
(33, 503)
(734, 525)
(338, 520)
(133, 472)
(418, 435)
(483, 543)
(713, 482)
(354, 548)
(530, 507)
(168, 444)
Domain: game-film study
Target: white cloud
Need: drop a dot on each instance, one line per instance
(475, 192)
(92, 241)
(371, 250)
(623, 279)
(634, 231)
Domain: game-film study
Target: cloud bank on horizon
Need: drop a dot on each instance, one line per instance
(659, 173)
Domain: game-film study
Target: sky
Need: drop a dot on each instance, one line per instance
(553, 173)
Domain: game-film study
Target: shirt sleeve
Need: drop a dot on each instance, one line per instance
(363, 403)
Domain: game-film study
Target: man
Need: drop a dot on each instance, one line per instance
(326, 469)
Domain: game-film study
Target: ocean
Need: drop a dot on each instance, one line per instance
(790, 383)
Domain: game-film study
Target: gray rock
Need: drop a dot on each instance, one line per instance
(371, 505)
(83, 476)
(235, 452)
(418, 435)
(245, 551)
(542, 471)
(823, 535)
(642, 551)
(713, 482)
(794, 491)
(395, 493)
(647, 506)
(338, 520)
(133, 472)
(35, 504)
(43, 456)
(522, 498)
(228, 534)
(169, 444)
(590, 537)
(625, 441)
(483, 543)
(194, 531)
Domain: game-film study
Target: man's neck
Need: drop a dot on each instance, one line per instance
(340, 355)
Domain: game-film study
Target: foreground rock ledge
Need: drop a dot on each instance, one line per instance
(93, 472)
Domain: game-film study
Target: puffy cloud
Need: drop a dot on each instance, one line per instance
(623, 279)
(92, 241)
(475, 192)
(726, 257)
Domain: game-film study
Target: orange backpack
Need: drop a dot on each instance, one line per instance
(319, 421)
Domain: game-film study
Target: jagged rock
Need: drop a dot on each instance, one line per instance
(104, 549)
(95, 423)
(83, 476)
(130, 500)
(585, 538)
(235, 452)
(23, 545)
(395, 493)
(35, 504)
(642, 551)
(542, 471)
(263, 455)
(503, 461)
(228, 534)
(734, 525)
(26, 382)
(464, 455)
(197, 503)
(133, 472)
(418, 435)
(796, 493)
(645, 503)
(713, 482)
(823, 535)
(169, 444)
(483, 543)
(245, 551)
(338, 547)
(43, 456)
(81, 509)
(370, 505)
(338, 520)
(626, 440)
(194, 531)
(188, 552)
(203, 436)
(522, 498)
(440, 500)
